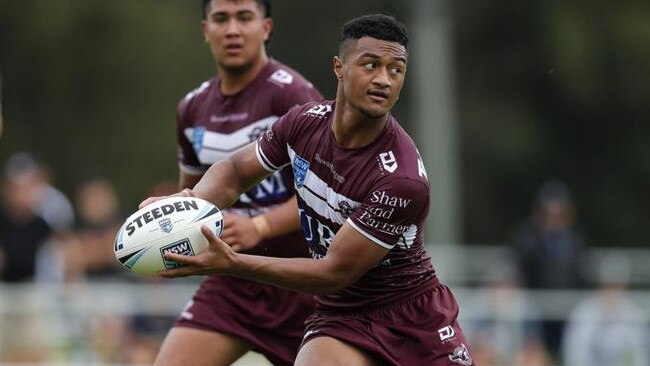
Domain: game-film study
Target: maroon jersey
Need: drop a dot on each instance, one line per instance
(211, 126)
(380, 189)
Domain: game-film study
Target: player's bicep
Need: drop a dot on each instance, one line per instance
(351, 254)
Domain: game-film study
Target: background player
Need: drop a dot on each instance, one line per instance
(229, 316)
(363, 196)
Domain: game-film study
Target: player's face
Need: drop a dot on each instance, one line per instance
(372, 75)
(236, 31)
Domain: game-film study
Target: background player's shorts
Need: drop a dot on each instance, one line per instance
(270, 318)
(421, 330)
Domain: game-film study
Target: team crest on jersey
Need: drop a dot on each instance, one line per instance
(165, 225)
(461, 355)
(345, 209)
(197, 139)
(300, 168)
(257, 132)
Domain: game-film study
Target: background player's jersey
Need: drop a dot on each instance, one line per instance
(380, 189)
(211, 126)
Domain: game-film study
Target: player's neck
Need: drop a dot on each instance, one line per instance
(232, 81)
(353, 130)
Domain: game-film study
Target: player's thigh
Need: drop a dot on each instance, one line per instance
(328, 351)
(189, 346)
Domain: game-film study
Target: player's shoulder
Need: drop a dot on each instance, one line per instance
(314, 110)
(199, 92)
(283, 76)
(196, 96)
(400, 161)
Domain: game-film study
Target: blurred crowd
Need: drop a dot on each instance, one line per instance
(48, 237)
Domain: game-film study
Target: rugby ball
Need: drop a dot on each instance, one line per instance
(172, 224)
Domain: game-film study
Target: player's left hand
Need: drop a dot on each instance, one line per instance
(217, 259)
(184, 193)
(240, 232)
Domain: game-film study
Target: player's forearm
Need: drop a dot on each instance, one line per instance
(316, 276)
(227, 179)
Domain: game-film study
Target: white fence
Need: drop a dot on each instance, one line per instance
(91, 323)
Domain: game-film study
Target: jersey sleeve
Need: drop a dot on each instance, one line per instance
(188, 162)
(391, 212)
(272, 148)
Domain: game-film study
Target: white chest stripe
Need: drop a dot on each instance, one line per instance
(216, 145)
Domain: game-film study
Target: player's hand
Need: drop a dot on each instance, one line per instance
(240, 232)
(184, 193)
(217, 259)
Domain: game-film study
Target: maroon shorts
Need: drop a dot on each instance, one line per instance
(420, 330)
(270, 318)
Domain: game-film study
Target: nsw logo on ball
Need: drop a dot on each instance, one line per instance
(179, 247)
(166, 225)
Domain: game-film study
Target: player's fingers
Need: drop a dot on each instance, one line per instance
(177, 272)
(149, 201)
(209, 234)
(184, 193)
(184, 259)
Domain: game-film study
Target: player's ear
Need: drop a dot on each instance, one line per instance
(204, 30)
(267, 24)
(338, 67)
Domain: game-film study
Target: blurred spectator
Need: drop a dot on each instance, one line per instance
(99, 219)
(549, 250)
(503, 332)
(22, 230)
(608, 328)
(46, 200)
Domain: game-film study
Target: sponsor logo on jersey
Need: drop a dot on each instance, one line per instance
(300, 168)
(319, 110)
(229, 117)
(165, 225)
(388, 161)
(338, 177)
(281, 77)
(318, 236)
(446, 333)
(180, 247)
(158, 213)
(393, 201)
(461, 355)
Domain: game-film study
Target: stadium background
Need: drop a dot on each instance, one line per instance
(500, 96)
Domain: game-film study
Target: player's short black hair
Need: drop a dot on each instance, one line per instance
(379, 26)
(265, 5)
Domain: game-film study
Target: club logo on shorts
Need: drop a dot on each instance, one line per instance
(182, 247)
(300, 168)
(165, 225)
(446, 333)
(461, 355)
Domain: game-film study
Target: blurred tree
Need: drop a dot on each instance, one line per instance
(545, 88)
